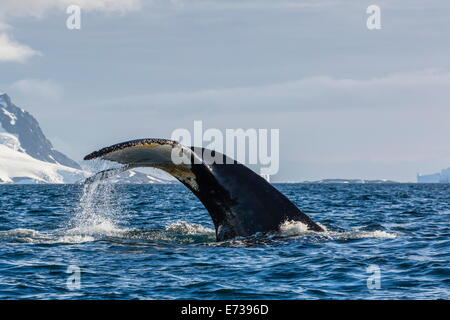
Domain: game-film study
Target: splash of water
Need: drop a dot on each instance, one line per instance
(98, 210)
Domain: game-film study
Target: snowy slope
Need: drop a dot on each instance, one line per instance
(19, 167)
(137, 177)
(27, 156)
(25, 127)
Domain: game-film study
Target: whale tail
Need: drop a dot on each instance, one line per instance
(239, 201)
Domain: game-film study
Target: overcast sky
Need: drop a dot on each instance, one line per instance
(349, 102)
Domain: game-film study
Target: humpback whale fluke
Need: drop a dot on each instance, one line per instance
(239, 201)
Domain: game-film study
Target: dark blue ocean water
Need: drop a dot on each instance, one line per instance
(157, 242)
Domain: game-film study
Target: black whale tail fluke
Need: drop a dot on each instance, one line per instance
(240, 202)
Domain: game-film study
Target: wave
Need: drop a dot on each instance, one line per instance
(297, 228)
(186, 228)
(181, 232)
(99, 228)
(30, 236)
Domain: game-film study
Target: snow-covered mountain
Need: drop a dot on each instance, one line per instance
(25, 127)
(26, 155)
(137, 177)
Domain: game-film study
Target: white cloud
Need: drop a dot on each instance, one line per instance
(12, 51)
(402, 90)
(34, 89)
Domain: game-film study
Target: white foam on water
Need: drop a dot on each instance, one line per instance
(292, 228)
(74, 239)
(187, 228)
(98, 228)
(30, 236)
(297, 228)
(375, 234)
(20, 232)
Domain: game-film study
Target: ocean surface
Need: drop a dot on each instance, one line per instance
(103, 241)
